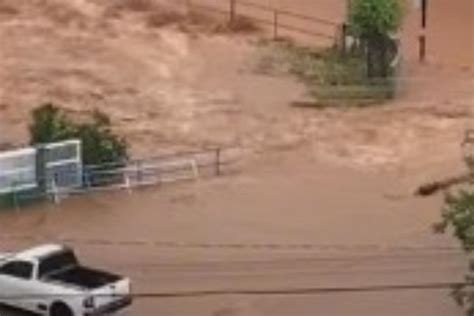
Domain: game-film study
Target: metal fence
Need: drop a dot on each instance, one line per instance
(18, 170)
(280, 22)
(155, 171)
(55, 166)
(62, 165)
(125, 175)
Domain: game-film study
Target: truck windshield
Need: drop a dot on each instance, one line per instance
(57, 262)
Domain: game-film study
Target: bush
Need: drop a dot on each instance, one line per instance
(375, 17)
(332, 79)
(373, 21)
(458, 216)
(99, 144)
(49, 125)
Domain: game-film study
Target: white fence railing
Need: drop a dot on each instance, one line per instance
(63, 165)
(156, 170)
(18, 170)
(59, 164)
(65, 175)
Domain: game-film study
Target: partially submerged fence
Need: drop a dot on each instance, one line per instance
(64, 178)
(44, 167)
(157, 170)
(18, 170)
(279, 22)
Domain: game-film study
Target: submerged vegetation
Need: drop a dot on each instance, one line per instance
(332, 78)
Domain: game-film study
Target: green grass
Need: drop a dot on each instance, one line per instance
(332, 79)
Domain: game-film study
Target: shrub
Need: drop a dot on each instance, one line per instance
(50, 125)
(332, 79)
(458, 216)
(375, 17)
(99, 143)
(373, 21)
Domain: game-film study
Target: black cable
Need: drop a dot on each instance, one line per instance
(267, 292)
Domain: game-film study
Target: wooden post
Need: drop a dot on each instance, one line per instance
(422, 40)
(218, 161)
(275, 24)
(424, 13)
(232, 11)
(344, 38)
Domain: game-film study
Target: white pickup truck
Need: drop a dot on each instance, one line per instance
(48, 280)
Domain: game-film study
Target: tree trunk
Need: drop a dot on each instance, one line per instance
(377, 57)
(371, 59)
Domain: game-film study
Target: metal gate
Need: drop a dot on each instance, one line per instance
(49, 168)
(18, 170)
(62, 166)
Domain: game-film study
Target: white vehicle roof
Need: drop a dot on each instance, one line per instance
(40, 251)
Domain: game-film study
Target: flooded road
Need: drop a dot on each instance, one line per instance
(295, 287)
(284, 224)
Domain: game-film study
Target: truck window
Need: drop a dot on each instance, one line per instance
(57, 262)
(18, 269)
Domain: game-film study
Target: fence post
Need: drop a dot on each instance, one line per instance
(15, 197)
(41, 170)
(232, 11)
(87, 178)
(275, 24)
(139, 169)
(218, 161)
(55, 191)
(344, 28)
(422, 44)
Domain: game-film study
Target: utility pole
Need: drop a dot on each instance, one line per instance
(424, 13)
(424, 22)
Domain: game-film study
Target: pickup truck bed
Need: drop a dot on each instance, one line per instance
(60, 284)
(83, 277)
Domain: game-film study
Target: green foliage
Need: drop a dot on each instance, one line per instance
(49, 125)
(99, 143)
(458, 216)
(373, 22)
(370, 18)
(332, 79)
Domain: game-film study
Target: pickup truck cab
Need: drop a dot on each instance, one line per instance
(48, 280)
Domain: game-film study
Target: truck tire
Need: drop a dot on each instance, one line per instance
(60, 309)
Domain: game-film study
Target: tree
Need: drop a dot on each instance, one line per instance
(49, 125)
(458, 215)
(99, 144)
(373, 21)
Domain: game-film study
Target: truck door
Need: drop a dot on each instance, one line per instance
(16, 279)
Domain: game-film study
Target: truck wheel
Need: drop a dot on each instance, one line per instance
(60, 309)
